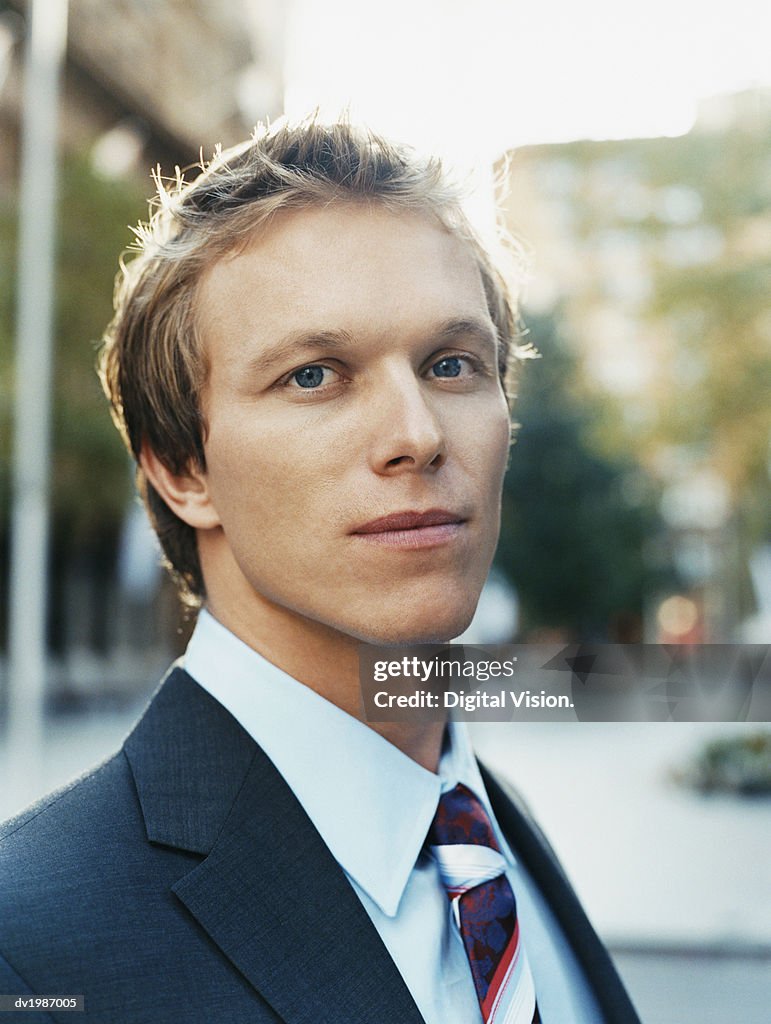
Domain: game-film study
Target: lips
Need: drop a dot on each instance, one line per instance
(400, 521)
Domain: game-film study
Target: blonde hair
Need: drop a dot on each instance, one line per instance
(152, 363)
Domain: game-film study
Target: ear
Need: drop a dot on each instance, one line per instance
(186, 494)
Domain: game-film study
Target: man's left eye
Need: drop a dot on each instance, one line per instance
(450, 366)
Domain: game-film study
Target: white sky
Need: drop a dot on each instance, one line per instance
(473, 78)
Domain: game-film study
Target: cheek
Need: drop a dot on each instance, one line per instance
(240, 479)
(266, 480)
(493, 443)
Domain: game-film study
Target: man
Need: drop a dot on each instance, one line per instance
(308, 361)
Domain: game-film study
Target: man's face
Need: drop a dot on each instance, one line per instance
(357, 432)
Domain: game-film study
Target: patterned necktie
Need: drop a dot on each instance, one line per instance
(472, 867)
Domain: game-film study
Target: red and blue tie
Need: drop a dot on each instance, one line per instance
(472, 867)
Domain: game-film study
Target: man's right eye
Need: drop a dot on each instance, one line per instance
(310, 376)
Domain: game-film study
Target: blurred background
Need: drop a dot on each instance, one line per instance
(627, 147)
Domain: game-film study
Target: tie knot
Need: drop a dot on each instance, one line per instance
(461, 819)
(473, 871)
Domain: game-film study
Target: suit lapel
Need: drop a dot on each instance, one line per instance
(534, 852)
(268, 893)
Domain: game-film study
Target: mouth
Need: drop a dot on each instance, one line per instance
(413, 530)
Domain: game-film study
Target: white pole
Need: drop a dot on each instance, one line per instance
(46, 42)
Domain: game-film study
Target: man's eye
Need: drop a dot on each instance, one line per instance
(450, 366)
(310, 376)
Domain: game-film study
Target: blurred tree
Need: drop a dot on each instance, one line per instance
(90, 483)
(577, 525)
(716, 309)
(660, 250)
(694, 211)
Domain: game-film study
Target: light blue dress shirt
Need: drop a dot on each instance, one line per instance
(373, 806)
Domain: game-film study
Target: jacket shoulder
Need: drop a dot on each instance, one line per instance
(87, 874)
(81, 795)
(69, 834)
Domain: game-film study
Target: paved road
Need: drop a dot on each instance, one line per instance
(654, 863)
(657, 867)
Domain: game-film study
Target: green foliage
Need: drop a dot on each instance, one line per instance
(661, 251)
(739, 764)
(576, 525)
(90, 478)
(710, 279)
(7, 249)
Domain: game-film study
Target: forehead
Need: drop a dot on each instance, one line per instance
(360, 268)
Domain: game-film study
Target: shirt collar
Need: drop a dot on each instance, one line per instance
(371, 804)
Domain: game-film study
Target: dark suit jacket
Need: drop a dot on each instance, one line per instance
(182, 881)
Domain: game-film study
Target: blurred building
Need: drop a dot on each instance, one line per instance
(655, 256)
(144, 84)
(157, 80)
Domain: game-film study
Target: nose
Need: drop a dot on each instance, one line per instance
(408, 434)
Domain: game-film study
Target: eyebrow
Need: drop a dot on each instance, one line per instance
(292, 345)
(482, 330)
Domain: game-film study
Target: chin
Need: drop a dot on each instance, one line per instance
(422, 625)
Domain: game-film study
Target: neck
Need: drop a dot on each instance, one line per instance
(326, 661)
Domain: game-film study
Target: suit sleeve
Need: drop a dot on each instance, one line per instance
(12, 985)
